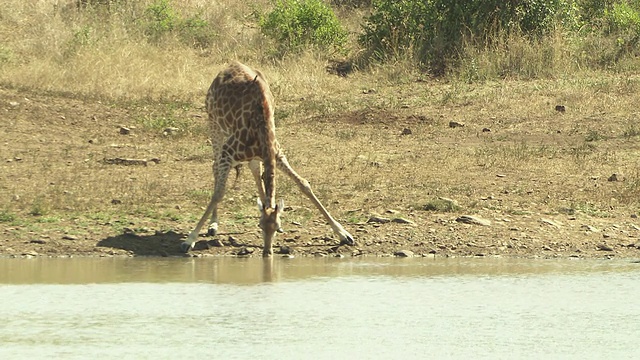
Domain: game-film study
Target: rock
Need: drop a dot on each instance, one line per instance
(560, 108)
(285, 250)
(406, 131)
(455, 124)
(201, 245)
(474, 220)
(402, 221)
(170, 131)
(127, 162)
(451, 202)
(245, 251)
(604, 247)
(14, 103)
(70, 237)
(215, 243)
(589, 228)
(124, 130)
(556, 224)
(613, 177)
(379, 220)
(38, 241)
(233, 241)
(486, 130)
(403, 253)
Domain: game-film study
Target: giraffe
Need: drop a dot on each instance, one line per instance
(240, 112)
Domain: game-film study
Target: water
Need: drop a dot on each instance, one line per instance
(225, 308)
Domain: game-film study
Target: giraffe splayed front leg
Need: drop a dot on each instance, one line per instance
(345, 237)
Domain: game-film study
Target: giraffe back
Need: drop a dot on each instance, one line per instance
(238, 95)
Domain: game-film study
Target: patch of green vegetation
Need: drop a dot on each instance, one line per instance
(296, 24)
(5, 54)
(6, 216)
(38, 207)
(162, 19)
(48, 219)
(594, 135)
(591, 210)
(441, 205)
(199, 195)
(631, 131)
(82, 36)
(346, 134)
(581, 152)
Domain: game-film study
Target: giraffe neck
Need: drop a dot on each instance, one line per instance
(268, 144)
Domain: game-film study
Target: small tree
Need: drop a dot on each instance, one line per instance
(294, 24)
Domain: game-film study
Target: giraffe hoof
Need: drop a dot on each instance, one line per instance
(212, 231)
(185, 247)
(347, 240)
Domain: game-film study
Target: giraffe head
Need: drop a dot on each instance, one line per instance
(270, 224)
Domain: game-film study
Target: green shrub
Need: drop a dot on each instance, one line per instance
(5, 54)
(434, 31)
(6, 216)
(294, 24)
(161, 20)
(622, 17)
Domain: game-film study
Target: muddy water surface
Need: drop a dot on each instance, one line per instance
(383, 308)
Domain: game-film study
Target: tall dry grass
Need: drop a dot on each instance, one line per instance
(106, 52)
(55, 46)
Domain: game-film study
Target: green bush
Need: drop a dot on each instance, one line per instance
(623, 17)
(294, 24)
(161, 19)
(434, 31)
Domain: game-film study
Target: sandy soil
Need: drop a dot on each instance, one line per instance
(60, 197)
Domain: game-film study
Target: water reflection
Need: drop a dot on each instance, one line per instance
(257, 270)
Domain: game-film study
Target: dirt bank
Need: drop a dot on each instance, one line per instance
(63, 194)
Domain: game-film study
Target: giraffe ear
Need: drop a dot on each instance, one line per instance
(280, 206)
(260, 205)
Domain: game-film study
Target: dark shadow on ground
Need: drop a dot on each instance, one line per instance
(158, 244)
